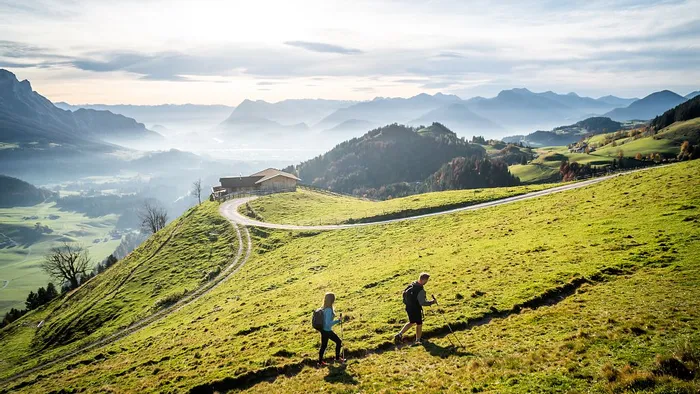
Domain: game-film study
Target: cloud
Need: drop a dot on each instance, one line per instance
(19, 50)
(323, 47)
(437, 85)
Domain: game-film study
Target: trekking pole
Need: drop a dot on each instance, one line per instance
(448, 326)
(342, 338)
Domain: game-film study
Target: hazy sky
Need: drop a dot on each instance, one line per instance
(151, 52)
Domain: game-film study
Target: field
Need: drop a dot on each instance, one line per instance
(534, 172)
(576, 291)
(305, 207)
(22, 249)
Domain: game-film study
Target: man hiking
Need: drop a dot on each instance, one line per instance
(414, 298)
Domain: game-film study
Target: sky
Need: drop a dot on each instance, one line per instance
(222, 52)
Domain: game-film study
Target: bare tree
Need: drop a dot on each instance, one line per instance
(153, 217)
(67, 263)
(197, 189)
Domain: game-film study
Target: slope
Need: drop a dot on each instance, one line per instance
(188, 253)
(308, 207)
(486, 265)
(17, 193)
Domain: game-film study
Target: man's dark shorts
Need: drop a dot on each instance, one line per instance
(415, 315)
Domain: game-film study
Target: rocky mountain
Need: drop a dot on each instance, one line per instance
(28, 117)
(648, 107)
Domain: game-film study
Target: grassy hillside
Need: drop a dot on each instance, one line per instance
(169, 265)
(535, 172)
(593, 283)
(23, 245)
(306, 207)
(666, 143)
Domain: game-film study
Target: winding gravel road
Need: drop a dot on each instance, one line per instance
(229, 209)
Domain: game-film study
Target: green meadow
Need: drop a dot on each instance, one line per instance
(589, 290)
(306, 207)
(667, 142)
(22, 249)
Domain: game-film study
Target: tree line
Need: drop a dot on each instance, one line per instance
(686, 111)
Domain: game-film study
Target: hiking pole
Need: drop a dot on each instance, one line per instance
(342, 338)
(448, 326)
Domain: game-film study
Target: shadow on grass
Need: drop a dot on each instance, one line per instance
(436, 350)
(339, 374)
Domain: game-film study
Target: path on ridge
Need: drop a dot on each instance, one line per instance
(229, 209)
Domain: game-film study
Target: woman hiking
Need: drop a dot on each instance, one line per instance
(327, 331)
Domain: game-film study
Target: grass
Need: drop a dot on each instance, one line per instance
(536, 172)
(23, 249)
(666, 142)
(170, 264)
(634, 238)
(305, 207)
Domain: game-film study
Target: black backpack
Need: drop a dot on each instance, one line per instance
(410, 294)
(317, 319)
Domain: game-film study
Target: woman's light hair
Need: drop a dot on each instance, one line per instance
(328, 300)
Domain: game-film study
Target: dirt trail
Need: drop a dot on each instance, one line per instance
(237, 263)
(229, 209)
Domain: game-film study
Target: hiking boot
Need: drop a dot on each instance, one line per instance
(340, 360)
(398, 338)
(418, 342)
(322, 364)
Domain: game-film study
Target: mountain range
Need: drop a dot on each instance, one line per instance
(168, 115)
(514, 109)
(28, 117)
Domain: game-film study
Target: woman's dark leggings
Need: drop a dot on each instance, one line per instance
(325, 336)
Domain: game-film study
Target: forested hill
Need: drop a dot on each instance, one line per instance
(16, 192)
(686, 111)
(386, 155)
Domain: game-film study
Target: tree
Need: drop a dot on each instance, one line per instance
(153, 217)
(197, 190)
(686, 151)
(67, 263)
(51, 292)
(32, 300)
